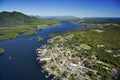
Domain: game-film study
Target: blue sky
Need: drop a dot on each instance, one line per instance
(79, 8)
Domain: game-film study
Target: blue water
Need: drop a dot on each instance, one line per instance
(23, 65)
(103, 18)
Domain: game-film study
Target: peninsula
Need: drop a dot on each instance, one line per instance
(83, 55)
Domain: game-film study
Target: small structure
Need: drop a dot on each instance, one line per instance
(100, 46)
(99, 31)
(73, 60)
(109, 51)
(42, 50)
(74, 65)
(85, 46)
(45, 59)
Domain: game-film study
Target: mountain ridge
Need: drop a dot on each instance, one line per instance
(9, 19)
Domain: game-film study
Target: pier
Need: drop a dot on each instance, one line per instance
(43, 59)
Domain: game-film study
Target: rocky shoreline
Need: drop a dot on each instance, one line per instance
(59, 61)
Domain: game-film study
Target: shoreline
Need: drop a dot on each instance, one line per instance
(65, 59)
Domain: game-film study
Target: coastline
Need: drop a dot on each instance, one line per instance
(66, 60)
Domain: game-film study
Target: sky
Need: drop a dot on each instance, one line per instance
(78, 8)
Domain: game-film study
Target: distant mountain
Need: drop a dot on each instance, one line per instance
(8, 19)
(55, 17)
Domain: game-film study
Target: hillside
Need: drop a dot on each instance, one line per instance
(12, 24)
(8, 19)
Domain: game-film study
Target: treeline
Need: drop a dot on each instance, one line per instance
(97, 21)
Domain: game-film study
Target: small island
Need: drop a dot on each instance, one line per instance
(29, 33)
(1, 50)
(39, 38)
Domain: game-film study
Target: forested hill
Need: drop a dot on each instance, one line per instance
(9, 19)
(12, 24)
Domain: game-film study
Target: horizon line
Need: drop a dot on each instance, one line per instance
(64, 15)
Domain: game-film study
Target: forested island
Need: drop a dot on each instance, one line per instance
(1, 50)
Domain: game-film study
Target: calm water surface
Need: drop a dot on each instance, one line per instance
(23, 64)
